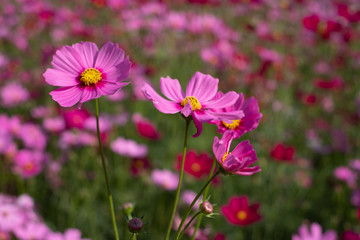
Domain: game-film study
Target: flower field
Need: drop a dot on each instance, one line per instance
(190, 119)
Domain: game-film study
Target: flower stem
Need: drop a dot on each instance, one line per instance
(188, 224)
(198, 222)
(133, 237)
(193, 203)
(180, 180)
(105, 171)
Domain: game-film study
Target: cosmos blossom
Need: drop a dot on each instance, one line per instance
(239, 212)
(314, 232)
(197, 102)
(83, 72)
(239, 160)
(240, 126)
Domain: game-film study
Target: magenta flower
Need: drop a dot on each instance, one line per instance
(83, 72)
(315, 233)
(240, 126)
(198, 101)
(165, 179)
(239, 160)
(29, 163)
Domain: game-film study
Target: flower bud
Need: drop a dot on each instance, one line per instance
(127, 209)
(135, 225)
(206, 208)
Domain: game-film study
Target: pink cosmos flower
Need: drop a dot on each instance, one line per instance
(13, 94)
(29, 163)
(70, 234)
(32, 136)
(83, 72)
(11, 217)
(32, 230)
(128, 148)
(145, 127)
(249, 122)
(198, 101)
(165, 178)
(239, 160)
(315, 233)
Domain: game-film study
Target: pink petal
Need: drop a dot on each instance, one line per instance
(218, 149)
(89, 92)
(67, 96)
(203, 87)
(88, 52)
(60, 78)
(159, 102)
(171, 88)
(187, 110)
(226, 116)
(226, 100)
(248, 171)
(109, 88)
(198, 126)
(242, 148)
(67, 59)
(110, 55)
(118, 72)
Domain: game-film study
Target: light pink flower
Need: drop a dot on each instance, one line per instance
(83, 72)
(128, 148)
(13, 94)
(198, 101)
(32, 136)
(314, 233)
(10, 217)
(31, 230)
(165, 179)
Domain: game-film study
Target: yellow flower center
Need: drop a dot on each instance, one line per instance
(225, 156)
(195, 167)
(194, 102)
(29, 166)
(241, 215)
(235, 124)
(90, 76)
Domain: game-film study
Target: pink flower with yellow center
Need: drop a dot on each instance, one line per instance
(239, 212)
(238, 161)
(248, 122)
(83, 72)
(198, 100)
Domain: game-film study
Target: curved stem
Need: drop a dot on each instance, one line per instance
(188, 224)
(105, 172)
(193, 203)
(180, 181)
(198, 222)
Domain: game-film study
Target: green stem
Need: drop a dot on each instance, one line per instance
(105, 172)
(133, 236)
(180, 181)
(198, 222)
(193, 203)
(188, 224)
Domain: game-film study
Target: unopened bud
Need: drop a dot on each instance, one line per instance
(206, 208)
(135, 225)
(127, 208)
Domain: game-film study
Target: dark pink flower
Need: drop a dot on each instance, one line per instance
(29, 163)
(239, 160)
(240, 213)
(198, 101)
(83, 72)
(145, 128)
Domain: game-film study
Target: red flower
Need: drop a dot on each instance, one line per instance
(145, 128)
(196, 165)
(283, 153)
(335, 83)
(219, 236)
(139, 165)
(238, 212)
(350, 235)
